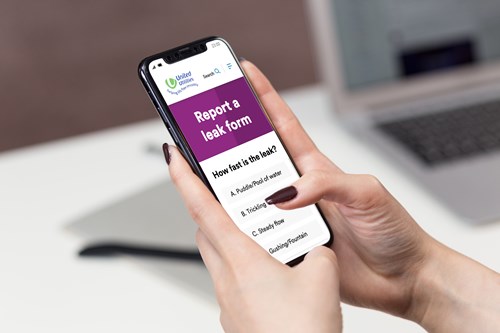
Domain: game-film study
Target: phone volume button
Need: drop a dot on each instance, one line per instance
(174, 135)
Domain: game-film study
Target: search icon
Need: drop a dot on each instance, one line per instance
(216, 70)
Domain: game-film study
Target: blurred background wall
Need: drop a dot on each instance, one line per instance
(70, 67)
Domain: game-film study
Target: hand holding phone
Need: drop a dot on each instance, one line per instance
(220, 126)
(384, 256)
(256, 293)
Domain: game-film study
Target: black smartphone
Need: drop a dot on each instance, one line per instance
(216, 120)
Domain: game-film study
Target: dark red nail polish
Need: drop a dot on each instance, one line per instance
(283, 195)
(166, 152)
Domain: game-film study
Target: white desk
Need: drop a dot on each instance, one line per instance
(45, 287)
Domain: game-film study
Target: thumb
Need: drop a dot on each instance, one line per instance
(321, 268)
(357, 191)
(322, 256)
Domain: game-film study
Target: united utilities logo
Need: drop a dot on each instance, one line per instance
(180, 83)
(171, 83)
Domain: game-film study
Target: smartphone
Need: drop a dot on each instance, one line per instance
(216, 120)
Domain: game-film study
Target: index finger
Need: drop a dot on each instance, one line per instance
(297, 141)
(227, 239)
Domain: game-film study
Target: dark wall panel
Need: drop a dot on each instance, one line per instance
(69, 67)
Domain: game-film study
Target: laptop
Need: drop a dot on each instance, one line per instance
(420, 80)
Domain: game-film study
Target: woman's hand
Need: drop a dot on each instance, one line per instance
(257, 293)
(379, 246)
(386, 261)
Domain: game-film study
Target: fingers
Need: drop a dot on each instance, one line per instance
(322, 253)
(209, 254)
(298, 143)
(322, 259)
(202, 205)
(221, 232)
(357, 191)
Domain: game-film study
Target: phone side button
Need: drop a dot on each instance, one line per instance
(174, 136)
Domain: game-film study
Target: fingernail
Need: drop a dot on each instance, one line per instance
(283, 195)
(166, 152)
(241, 59)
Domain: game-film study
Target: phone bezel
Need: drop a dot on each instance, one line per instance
(176, 133)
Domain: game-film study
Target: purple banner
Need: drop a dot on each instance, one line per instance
(220, 119)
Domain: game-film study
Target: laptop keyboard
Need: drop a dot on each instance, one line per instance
(449, 135)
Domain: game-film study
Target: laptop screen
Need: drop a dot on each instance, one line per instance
(383, 41)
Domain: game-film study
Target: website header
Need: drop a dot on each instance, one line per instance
(194, 75)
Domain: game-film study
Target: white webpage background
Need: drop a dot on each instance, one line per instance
(307, 218)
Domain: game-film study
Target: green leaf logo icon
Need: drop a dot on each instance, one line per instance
(171, 83)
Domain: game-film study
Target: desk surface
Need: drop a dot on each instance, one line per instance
(44, 286)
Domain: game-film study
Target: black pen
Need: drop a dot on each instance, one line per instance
(107, 249)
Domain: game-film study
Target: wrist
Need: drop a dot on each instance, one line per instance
(453, 293)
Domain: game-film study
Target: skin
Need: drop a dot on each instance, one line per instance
(381, 258)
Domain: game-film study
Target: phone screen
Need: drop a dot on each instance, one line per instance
(237, 148)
